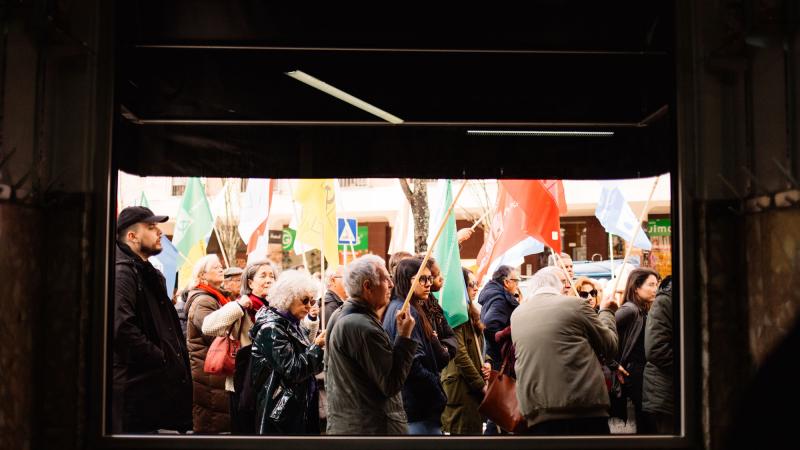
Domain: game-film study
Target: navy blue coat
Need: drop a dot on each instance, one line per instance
(497, 304)
(423, 395)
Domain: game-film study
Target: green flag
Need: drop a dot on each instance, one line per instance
(453, 296)
(193, 226)
(143, 201)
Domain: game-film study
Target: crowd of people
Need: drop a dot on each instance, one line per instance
(359, 360)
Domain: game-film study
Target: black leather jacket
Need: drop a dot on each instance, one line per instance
(284, 364)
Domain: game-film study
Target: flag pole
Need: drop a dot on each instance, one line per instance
(430, 248)
(611, 253)
(297, 219)
(484, 216)
(564, 269)
(221, 247)
(635, 234)
(322, 268)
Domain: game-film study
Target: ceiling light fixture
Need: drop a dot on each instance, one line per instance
(342, 95)
(540, 133)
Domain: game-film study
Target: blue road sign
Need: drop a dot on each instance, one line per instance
(346, 231)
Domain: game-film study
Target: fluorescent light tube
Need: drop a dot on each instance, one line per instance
(342, 95)
(540, 133)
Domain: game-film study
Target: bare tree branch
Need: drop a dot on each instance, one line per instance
(406, 188)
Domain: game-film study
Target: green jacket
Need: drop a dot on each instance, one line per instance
(558, 340)
(365, 373)
(463, 384)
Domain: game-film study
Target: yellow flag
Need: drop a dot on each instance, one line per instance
(317, 222)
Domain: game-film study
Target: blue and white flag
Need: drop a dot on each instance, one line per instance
(617, 217)
(167, 263)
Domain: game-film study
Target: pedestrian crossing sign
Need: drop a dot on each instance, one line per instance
(347, 231)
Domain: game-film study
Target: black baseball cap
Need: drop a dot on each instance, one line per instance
(136, 214)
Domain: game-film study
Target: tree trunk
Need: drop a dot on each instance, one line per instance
(418, 199)
(229, 228)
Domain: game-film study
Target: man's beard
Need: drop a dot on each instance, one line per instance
(150, 251)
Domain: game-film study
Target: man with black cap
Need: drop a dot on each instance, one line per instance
(152, 388)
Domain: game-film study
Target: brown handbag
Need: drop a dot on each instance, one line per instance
(500, 402)
(221, 356)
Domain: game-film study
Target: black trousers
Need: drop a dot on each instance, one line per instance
(571, 427)
(242, 422)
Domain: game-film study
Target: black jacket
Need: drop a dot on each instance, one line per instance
(332, 302)
(283, 367)
(497, 304)
(423, 394)
(152, 384)
(658, 391)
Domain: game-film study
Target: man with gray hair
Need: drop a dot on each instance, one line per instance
(365, 370)
(335, 293)
(558, 341)
(568, 266)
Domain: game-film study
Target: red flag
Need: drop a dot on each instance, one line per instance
(255, 213)
(541, 210)
(556, 187)
(507, 241)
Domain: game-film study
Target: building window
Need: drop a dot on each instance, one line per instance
(178, 186)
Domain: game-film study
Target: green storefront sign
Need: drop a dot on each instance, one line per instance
(362, 241)
(287, 240)
(659, 227)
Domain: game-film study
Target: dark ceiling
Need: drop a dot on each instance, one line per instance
(205, 81)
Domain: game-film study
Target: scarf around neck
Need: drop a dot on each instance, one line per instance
(221, 299)
(257, 303)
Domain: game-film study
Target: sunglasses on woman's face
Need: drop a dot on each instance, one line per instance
(472, 285)
(426, 279)
(308, 300)
(592, 293)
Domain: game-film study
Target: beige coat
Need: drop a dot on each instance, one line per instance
(218, 322)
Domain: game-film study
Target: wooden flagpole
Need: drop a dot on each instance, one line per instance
(564, 269)
(221, 247)
(430, 248)
(635, 234)
(484, 216)
(297, 218)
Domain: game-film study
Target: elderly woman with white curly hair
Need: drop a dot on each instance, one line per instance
(285, 359)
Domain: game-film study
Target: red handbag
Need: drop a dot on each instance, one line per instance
(500, 402)
(221, 356)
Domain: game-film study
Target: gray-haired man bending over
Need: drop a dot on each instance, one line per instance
(558, 339)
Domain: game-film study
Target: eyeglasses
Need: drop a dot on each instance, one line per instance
(426, 279)
(515, 280)
(308, 300)
(472, 285)
(592, 293)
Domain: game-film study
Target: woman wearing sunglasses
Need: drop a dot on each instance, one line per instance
(589, 291)
(286, 357)
(423, 396)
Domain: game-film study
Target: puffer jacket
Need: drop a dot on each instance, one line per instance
(284, 363)
(497, 304)
(658, 392)
(210, 403)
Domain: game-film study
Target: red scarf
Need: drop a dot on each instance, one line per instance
(257, 304)
(214, 293)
